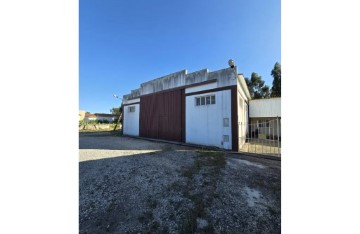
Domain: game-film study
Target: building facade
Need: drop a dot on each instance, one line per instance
(265, 114)
(81, 115)
(202, 108)
(101, 117)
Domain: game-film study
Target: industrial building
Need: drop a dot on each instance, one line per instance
(202, 107)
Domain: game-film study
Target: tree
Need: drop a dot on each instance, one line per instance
(115, 111)
(276, 85)
(257, 87)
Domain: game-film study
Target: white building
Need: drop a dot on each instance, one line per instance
(101, 117)
(266, 113)
(202, 107)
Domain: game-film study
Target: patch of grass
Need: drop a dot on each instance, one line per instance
(259, 182)
(165, 230)
(272, 210)
(166, 147)
(265, 183)
(154, 226)
(146, 217)
(97, 130)
(152, 203)
(112, 207)
(117, 133)
(208, 164)
(190, 172)
(214, 159)
(176, 186)
(190, 224)
(199, 205)
(92, 205)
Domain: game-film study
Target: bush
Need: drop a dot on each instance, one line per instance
(93, 121)
(86, 122)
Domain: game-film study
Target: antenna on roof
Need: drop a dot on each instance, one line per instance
(232, 65)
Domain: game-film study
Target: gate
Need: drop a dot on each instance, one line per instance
(262, 137)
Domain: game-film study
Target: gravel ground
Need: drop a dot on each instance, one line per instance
(130, 185)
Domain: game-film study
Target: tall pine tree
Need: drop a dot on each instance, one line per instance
(276, 85)
(257, 87)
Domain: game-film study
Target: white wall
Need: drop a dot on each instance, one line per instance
(265, 108)
(89, 118)
(110, 119)
(131, 121)
(204, 124)
(242, 100)
(131, 101)
(201, 87)
(242, 118)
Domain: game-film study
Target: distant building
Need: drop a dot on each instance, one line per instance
(101, 117)
(202, 107)
(266, 113)
(81, 115)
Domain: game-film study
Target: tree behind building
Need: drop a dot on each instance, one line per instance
(257, 87)
(276, 87)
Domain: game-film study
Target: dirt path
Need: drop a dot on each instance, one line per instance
(136, 186)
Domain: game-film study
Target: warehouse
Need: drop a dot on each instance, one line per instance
(202, 107)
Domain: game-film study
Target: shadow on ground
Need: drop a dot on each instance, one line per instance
(176, 190)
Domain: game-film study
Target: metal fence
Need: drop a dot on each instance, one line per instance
(262, 137)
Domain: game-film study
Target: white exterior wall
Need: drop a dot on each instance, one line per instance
(261, 108)
(242, 114)
(89, 118)
(110, 119)
(242, 106)
(201, 87)
(131, 101)
(131, 120)
(242, 118)
(204, 124)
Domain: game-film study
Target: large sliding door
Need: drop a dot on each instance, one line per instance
(161, 115)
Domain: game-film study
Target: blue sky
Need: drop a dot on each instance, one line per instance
(124, 43)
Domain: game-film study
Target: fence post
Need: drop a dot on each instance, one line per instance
(269, 142)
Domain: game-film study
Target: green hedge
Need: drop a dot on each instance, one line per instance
(84, 122)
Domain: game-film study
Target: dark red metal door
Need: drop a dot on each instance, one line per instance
(161, 115)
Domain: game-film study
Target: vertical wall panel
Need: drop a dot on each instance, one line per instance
(234, 119)
(205, 124)
(183, 116)
(161, 115)
(131, 120)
